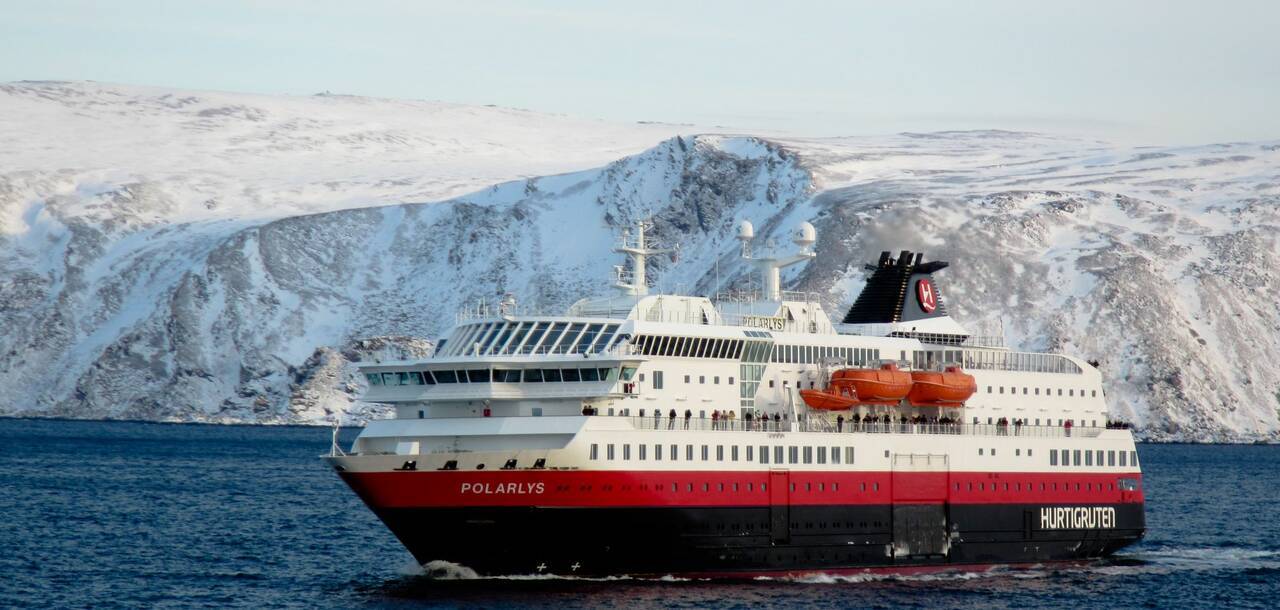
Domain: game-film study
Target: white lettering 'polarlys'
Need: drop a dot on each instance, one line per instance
(503, 488)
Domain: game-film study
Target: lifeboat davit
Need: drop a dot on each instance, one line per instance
(883, 386)
(831, 399)
(949, 388)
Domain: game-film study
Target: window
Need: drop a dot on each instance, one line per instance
(733, 453)
(835, 455)
(980, 450)
(716, 380)
(688, 453)
(551, 375)
(1133, 458)
(1053, 458)
(374, 378)
(609, 451)
(570, 375)
(1088, 458)
(822, 455)
(793, 454)
(1111, 458)
(706, 453)
(808, 455)
(764, 454)
(626, 451)
(1076, 459)
(675, 452)
(642, 449)
(1099, 452)
(702, 378)
(452, 377)
(777, 455)
(848, 455)
(686, 378)
(751, 453)
(422, 414)
(731, 381)
(657, 380)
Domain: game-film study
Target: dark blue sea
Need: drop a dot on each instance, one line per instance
(135, 515)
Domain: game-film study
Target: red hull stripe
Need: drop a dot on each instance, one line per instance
(555, 488)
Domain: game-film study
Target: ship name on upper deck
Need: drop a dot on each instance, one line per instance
(767, 322)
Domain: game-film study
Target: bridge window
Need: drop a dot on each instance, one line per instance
(551, 375)
(373, 378)
(478, 375)
(446, 377)
(570, 374)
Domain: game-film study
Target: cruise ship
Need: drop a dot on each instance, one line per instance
(663, 434)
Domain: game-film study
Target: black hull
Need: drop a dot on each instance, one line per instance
(734, 541)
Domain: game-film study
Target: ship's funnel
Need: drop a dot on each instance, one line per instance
(899, 290)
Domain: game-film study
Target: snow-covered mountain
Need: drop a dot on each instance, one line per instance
(218, 257)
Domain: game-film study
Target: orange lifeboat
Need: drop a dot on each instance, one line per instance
(950, 388)
(831, 399)
(883, 386)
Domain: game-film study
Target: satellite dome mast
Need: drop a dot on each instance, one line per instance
(771, 264)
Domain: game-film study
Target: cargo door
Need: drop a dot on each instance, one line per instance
(780, 506)
(920, 512)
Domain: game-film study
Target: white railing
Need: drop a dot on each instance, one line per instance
(664, 422)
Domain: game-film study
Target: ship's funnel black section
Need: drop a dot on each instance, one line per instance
(899, 290)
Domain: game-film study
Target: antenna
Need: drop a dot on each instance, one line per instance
(639, 252)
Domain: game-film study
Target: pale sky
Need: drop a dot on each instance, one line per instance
(1159, 72)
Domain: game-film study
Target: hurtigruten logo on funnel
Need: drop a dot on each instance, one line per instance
(926, 295)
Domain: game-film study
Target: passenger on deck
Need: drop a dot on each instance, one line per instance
(715, 419)
(687, 416)
(839, 423)
(672, 422)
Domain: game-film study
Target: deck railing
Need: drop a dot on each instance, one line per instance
(847, 427)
